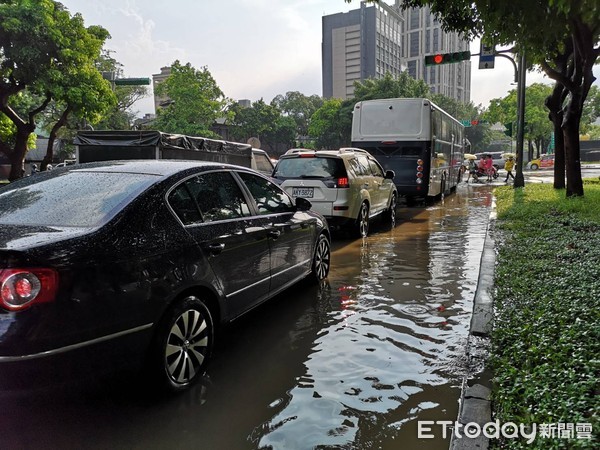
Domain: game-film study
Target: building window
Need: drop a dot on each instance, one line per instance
(414, 44)
(432, 79)
(412, 69)
(414, 19)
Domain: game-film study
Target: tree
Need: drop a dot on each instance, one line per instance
(44, 50)
(560, 36)
(195, 102)
(264, 122)
(326, 126)
(299, 107)
(591, 109)
(538, 129)
(403, 85)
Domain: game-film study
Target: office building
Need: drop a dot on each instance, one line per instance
(379, 38)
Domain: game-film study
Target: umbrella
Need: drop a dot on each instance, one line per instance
(508, 155)
(470, 156)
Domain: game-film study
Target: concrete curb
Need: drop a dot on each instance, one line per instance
(475, 404)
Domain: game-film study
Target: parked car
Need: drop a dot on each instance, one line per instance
(544, 162)
(348, 186)
(102, 262)
(66, 162)
(497, 158)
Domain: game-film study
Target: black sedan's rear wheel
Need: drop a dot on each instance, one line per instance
(321, 259)
(183, 344)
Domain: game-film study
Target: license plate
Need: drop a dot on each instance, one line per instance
(302, 192)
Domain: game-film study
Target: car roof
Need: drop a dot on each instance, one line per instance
(344, 151)
(163, 167)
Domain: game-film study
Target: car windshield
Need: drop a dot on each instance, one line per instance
(303, 167)
(73, 199)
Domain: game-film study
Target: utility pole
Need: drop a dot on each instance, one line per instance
(519, 179)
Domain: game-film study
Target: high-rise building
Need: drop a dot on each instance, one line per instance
(379, 38)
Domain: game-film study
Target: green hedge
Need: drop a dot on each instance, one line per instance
(546, 339)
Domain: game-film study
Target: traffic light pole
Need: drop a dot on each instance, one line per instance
(519, 179)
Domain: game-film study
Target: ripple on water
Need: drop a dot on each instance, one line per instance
(390, 345)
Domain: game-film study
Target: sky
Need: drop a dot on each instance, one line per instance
(254, 49)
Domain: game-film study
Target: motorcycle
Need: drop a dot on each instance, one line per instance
(479, 173)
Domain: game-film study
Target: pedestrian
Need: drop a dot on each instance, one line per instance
(472, 169)
(489, 167)
(508, 166)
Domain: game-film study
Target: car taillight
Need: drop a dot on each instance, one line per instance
(21, 288)
(343, 182)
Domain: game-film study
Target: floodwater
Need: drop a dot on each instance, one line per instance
(353, 364)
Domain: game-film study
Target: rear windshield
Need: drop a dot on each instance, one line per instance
(73, 199)
(313, 167)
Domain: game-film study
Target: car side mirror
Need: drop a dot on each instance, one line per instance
(302, 204)
(390, 174)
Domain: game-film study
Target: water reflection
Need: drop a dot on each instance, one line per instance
(390, 350)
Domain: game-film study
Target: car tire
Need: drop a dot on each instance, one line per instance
(182, 345)
(390, 214)
(321, 259)
(362, 221)
(534, 167)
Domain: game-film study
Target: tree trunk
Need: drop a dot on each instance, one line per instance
(52, 138)
(17, 156)
(24, 130)
(572, 152)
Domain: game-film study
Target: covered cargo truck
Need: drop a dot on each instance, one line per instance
(112, 145)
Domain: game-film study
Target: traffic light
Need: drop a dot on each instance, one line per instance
(509, 129)
(447, 58)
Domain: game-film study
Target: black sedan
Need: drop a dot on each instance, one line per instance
(122, 261)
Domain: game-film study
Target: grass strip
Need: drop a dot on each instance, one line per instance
(546, 340)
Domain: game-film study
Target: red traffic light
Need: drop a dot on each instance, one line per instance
(447, 58)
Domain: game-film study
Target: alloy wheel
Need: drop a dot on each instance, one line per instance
(187, 346)
(322, 258)
(363, 220)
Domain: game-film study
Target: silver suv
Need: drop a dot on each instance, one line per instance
(347, 186)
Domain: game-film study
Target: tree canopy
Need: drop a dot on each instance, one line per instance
(299, 107)
(50, 55)
(263, 121)
(194, 102)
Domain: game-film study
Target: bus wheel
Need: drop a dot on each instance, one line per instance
(445, 189)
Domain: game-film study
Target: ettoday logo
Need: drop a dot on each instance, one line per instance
(508, 430)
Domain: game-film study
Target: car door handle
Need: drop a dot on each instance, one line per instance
(214, 248)
(274, 233)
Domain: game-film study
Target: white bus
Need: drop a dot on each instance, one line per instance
(416, 139)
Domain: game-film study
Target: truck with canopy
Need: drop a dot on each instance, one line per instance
(112, 145)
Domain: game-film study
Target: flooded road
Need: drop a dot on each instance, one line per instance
(354, 363)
